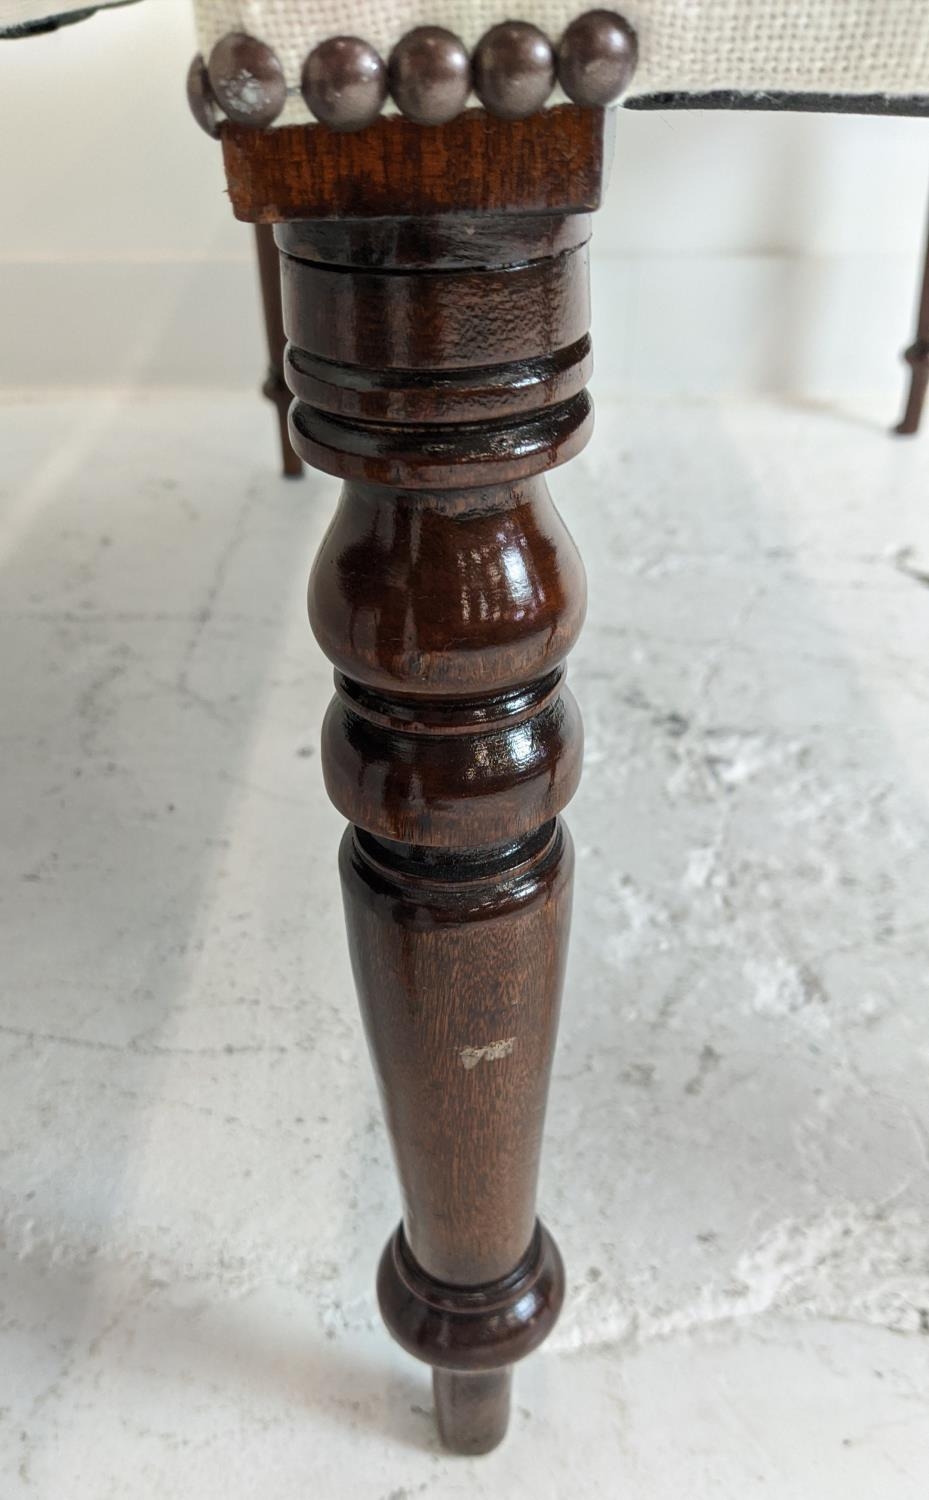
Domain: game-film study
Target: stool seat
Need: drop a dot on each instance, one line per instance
(834, 47)
(688, 50)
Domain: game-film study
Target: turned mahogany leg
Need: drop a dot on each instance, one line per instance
(439, 366)
(917, 356)
(275, 387)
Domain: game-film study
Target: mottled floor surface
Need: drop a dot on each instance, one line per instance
(195, 1182)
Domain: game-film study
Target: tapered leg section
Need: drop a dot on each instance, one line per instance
(275, 386)
(459, 971)
(439, 367)
(472, 1410)
(917, 357)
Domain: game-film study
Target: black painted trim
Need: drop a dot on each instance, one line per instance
(819, 104)
(53, 23)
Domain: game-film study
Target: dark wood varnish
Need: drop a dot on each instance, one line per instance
(435, 298)
(464, 1068)
(439, 366)
(473, 164)
(473, 1410)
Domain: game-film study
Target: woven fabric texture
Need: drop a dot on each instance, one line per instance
(819, 46)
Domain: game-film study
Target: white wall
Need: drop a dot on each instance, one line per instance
(740, 252)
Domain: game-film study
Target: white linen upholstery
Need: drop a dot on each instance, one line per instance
(815, 46)
(685, 46)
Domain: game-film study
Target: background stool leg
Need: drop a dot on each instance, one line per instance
(275, 388)
(917, 356)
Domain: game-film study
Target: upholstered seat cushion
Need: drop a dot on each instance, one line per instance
(817, 46)
(875, 47)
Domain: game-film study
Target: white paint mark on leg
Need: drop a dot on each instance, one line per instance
(471, 1056)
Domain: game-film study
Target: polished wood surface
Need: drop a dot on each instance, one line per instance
(473, 1410)
(435, 299)
(917, 357)
(464, 1071)
(475, 163)
(439, 367)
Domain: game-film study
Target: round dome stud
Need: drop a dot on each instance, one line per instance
(344, 83)
(514, 70)
(200, 97)
(247, 80)
(597, 57)
(430, 75)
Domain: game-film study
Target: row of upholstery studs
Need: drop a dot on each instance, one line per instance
(429, 74)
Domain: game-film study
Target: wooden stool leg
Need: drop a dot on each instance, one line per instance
(472, 1410)
(439, 367)
(275, 387)
(917, 356)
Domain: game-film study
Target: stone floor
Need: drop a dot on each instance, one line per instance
(195, 1182)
